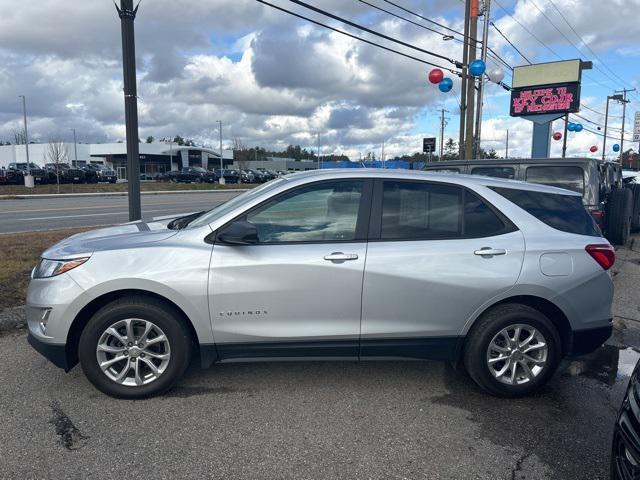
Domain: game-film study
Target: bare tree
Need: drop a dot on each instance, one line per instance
(19, 137)
(57, 153)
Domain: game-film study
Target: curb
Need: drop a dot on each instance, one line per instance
(113, 194)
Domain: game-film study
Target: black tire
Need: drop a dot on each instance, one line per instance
(618, 210)
(144, 308)
(635, 217)
(487, 327)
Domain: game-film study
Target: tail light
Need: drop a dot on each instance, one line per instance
(604, 254)
(598, 216)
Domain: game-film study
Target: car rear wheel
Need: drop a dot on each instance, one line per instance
(134, 347)
(619, 210)
(512, 350)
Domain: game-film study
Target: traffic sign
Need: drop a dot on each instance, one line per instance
(429, 145)
(636, 127)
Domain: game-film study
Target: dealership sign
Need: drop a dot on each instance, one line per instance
(560, 98)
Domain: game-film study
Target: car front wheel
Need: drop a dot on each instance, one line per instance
(134, 347)
(512, 350)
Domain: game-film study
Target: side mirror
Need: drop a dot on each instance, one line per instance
(239, 232)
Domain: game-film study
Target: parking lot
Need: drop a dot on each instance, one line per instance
(320, 420)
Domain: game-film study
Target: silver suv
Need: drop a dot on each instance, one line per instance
(501, 276)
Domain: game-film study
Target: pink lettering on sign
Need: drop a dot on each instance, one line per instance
(544, 100)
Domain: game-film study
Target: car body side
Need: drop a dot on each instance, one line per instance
(175, 267)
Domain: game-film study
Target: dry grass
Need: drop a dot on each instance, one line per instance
(20, 253)
(113, 187)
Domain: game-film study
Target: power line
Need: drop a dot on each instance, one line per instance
(422, 17)
(373, 32)
(509, 42)
(364, 40)
(584, 42)
(496, 57)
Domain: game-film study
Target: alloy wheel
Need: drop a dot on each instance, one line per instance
(133, 352)
(517, 354)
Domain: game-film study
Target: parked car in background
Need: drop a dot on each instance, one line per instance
(230, 175)
(625, 452)
(246, 176)
(259, 176)
(630, 177)
(18, 170)
(506, 278)
(3, 176)
(614, 205)
(67, 174)
(197, 175)
(103, 173)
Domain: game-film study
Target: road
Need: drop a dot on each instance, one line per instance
(25, 215)
(375, 420)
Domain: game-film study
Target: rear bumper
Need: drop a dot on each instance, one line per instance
(55, 353)
(586, 341)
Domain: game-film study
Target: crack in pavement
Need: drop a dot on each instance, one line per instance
(70, 437)
(518, 467)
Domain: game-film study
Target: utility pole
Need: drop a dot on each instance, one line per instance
(442, 125)
(471, 84)
(483, 56)
(463, 85)
(221, 163)
(618, 98)
(75, 147)
(624, 112)
(382, 155)
(26, 134)
(506, 148)
(564, 135)
(127, 16)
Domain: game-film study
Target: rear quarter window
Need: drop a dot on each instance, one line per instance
(562, 212)
(571, 178)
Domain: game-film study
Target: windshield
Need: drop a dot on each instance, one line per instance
(234, 203)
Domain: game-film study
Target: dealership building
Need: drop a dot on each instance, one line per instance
(155, 158)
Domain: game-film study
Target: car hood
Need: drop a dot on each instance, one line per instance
(127, 235)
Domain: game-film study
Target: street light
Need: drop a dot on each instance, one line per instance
(75, 147)
(220, 123)
(26, 134)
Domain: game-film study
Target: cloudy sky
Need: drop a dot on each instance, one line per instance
(275, 80)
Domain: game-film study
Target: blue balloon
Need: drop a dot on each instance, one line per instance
(571, 127)
(578, 127)
(445, 84)
(477, 68)
(616, 147)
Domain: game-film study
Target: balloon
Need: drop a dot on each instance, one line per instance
(578, 127)
(445, 85)
(557, 136)
(616, 147)
(477, 67)
(436, 75)
(593, 149)
(571, 127)
(496, 75)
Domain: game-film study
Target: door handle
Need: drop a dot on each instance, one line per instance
(340, 257)
(490, 252)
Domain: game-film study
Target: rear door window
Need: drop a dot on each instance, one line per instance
(444, 170)
(562, 212)
(496, 172)
(571, 178)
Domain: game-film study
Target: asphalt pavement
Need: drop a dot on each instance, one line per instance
(32, 214)
(375, 420)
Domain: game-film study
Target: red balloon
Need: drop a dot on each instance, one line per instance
(593, 149)
(436, 75)
(557, 136)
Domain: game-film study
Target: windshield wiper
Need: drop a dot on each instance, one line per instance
(181, 222)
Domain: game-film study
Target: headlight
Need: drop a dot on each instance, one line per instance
(50, 268)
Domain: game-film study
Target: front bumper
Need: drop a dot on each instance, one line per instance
(55, 353)
(586, 341)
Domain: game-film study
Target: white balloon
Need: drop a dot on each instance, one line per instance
(496, 75)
